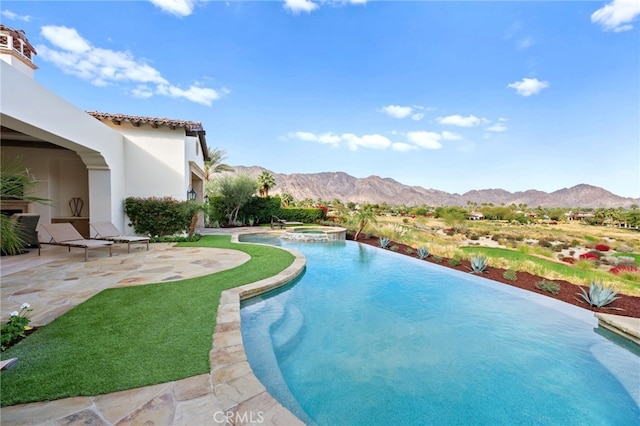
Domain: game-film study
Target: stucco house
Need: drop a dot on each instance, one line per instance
(100, 158)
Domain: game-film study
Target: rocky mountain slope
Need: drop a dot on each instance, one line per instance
(373, 189)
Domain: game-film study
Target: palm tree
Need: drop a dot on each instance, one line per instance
(215, 163)
(266, 182)
(286, 199)
(363, 217)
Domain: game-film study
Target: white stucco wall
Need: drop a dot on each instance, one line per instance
(16, 63)
(154, 160)
(30, 108)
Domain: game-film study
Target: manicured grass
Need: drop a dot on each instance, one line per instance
(124, 338)
(566, 271)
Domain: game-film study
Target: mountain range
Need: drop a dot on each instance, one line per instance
(374, 189)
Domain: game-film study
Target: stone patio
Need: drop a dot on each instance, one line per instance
(58, 280)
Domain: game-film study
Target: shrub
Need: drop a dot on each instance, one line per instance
(599, 295)
(384, 242)
(159, 216)
(585, 265)
(602, 247)
(409, 251)
(394, 248)
(619, 269)
(548, 286)
(474, 237)
(437, 259)
(545, 243)
(454, 261)
(478, 264)
(423, 252)
(589, 256)
(510, 275)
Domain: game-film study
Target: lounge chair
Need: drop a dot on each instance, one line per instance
(27, 224)
(108, 231)
(281, 223)
(64, 234)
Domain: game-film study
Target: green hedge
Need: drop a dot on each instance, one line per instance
(306, 215)
(159, 216)
(261, 209)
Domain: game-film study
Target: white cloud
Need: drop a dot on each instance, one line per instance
(65, 38)
(460, 121)
(427, 140)
(498, 127)
(374, 141)
(403, 147)
(325, 138)
(450, 136)
(528, 86)
(15, 17)
(76, 56)
(525, 43)
(397, 111)
(417, 117)
(297, 6)
(176, 7)
(617, 15)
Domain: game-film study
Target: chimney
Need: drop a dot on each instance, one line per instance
(16, 50)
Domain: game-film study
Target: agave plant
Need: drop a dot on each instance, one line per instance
(384, 242)
(478, 264)
(423, 252)
(599, 295)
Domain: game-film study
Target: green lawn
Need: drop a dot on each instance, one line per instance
(124, 338)
(566, 270)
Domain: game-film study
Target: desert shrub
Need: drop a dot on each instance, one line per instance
(437, 258)
(478, 264)
(623, 248)
(510, 275)
(626, 261)
(384, 242)
(589, 256)
(599, 294)
(454, 261)
(474, 237)
(548, 286)
(620, 269)
(585, 265)
(545, 243)
(423, 252)
(405, 220)
(409, 251)
(602, 247)
(394, 248)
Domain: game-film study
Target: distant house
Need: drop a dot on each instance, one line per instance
(475, 216)
(99, 158)
(579, 215)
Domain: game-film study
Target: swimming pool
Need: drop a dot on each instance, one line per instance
(367, 336)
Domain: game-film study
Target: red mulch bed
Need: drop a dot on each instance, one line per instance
(568, 293)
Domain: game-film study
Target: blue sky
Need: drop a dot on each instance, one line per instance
(453, 96)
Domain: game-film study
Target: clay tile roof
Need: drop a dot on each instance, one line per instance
(18, 34)
(190, 126)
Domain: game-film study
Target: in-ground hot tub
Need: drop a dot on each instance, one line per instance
(315, 233)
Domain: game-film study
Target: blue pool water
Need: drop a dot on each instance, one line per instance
(367, 336)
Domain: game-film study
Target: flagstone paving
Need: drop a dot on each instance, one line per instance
(230, 395)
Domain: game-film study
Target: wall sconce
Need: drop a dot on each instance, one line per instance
(206, 199)
(191, 194)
